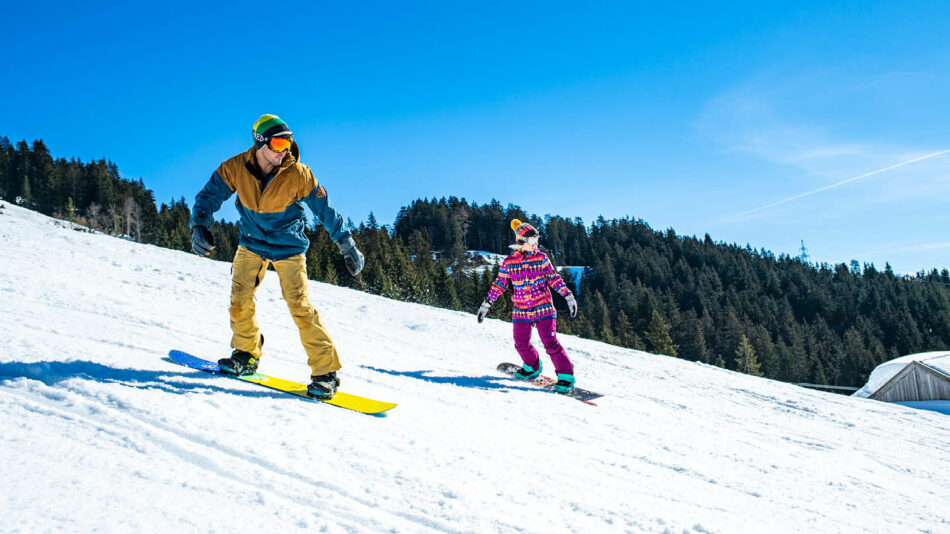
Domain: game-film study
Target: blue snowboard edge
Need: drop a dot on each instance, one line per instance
(194, 362)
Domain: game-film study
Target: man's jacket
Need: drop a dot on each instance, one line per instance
(272, 214)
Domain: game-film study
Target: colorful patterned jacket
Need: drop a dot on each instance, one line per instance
(272, 214)
(530, 275)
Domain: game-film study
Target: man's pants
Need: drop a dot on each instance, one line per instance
(248, 271)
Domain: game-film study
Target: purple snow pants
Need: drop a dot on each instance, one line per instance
(547, 331)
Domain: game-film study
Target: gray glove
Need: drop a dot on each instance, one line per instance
(202, 242)
(483, 310)
(571, 305)
(352, 256)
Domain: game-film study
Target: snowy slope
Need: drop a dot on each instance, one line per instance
(99, 432)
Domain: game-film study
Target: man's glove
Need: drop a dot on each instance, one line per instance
(202, 242)
(483, 310)
(571, 305)
(352, 257)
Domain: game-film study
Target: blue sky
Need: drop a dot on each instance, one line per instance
(690, 116)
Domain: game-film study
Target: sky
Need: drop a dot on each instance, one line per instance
(731, 119)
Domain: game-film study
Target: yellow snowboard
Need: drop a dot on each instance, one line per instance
(343, 400)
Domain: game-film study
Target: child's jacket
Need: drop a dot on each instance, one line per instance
(530, 275)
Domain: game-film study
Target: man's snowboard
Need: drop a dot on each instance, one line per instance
(343, 400)
(548, 383)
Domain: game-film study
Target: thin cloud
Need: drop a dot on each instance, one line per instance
(924, 247)
(837, 184)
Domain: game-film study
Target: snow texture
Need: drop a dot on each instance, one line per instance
(101, 433)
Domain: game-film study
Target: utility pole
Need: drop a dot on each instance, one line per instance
(804, 256)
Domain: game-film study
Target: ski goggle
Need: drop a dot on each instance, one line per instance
(533, 240)
(280, 144)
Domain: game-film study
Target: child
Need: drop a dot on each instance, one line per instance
(531, 274)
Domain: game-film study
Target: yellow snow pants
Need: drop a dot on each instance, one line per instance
(248, 271)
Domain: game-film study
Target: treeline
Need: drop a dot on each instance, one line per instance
(94, 195)
(726, 305)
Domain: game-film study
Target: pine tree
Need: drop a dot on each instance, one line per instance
(690, 339)
(330, 275)
(626, 336)
(746, 361)
(7, 169)
(46, 180)
(26, 194)
(657, 336)
(70, 210)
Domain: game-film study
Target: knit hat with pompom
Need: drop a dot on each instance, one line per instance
(522, 230)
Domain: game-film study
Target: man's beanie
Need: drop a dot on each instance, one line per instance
(269, 126)
(522, 230)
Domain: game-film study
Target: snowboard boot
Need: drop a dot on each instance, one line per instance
(565, 384)
(240, 363)
(527, 372)
(323, 386)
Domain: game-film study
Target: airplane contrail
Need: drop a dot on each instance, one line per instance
(832, 186)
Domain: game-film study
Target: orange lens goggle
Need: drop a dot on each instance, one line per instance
(280, 144)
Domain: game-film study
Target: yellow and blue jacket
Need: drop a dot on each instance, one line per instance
(271, 207)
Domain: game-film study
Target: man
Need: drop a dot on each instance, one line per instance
(272, 187)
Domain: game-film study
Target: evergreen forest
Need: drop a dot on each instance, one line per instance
(722, 304)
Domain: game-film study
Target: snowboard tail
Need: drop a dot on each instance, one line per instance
(341, 399)
(547, 383)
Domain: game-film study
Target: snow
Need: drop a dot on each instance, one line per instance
(100, 432)
(939, 360)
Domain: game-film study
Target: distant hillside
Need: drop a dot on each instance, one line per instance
(723, 304)
(732, 306)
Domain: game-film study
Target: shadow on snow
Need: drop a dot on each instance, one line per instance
(474, 382)
(52, 373)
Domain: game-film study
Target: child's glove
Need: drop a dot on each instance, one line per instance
(571, 305)
(483, 310)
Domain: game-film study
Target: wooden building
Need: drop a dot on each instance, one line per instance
(917, 381)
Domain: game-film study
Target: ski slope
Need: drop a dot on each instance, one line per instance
(100, 433)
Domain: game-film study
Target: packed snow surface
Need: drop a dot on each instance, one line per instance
(100, 432)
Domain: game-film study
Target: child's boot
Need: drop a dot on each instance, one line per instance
(565, 384)
(527, 372)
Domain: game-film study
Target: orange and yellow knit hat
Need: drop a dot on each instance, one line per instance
(522, 230)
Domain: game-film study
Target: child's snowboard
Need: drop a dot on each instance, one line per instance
(547, 383)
